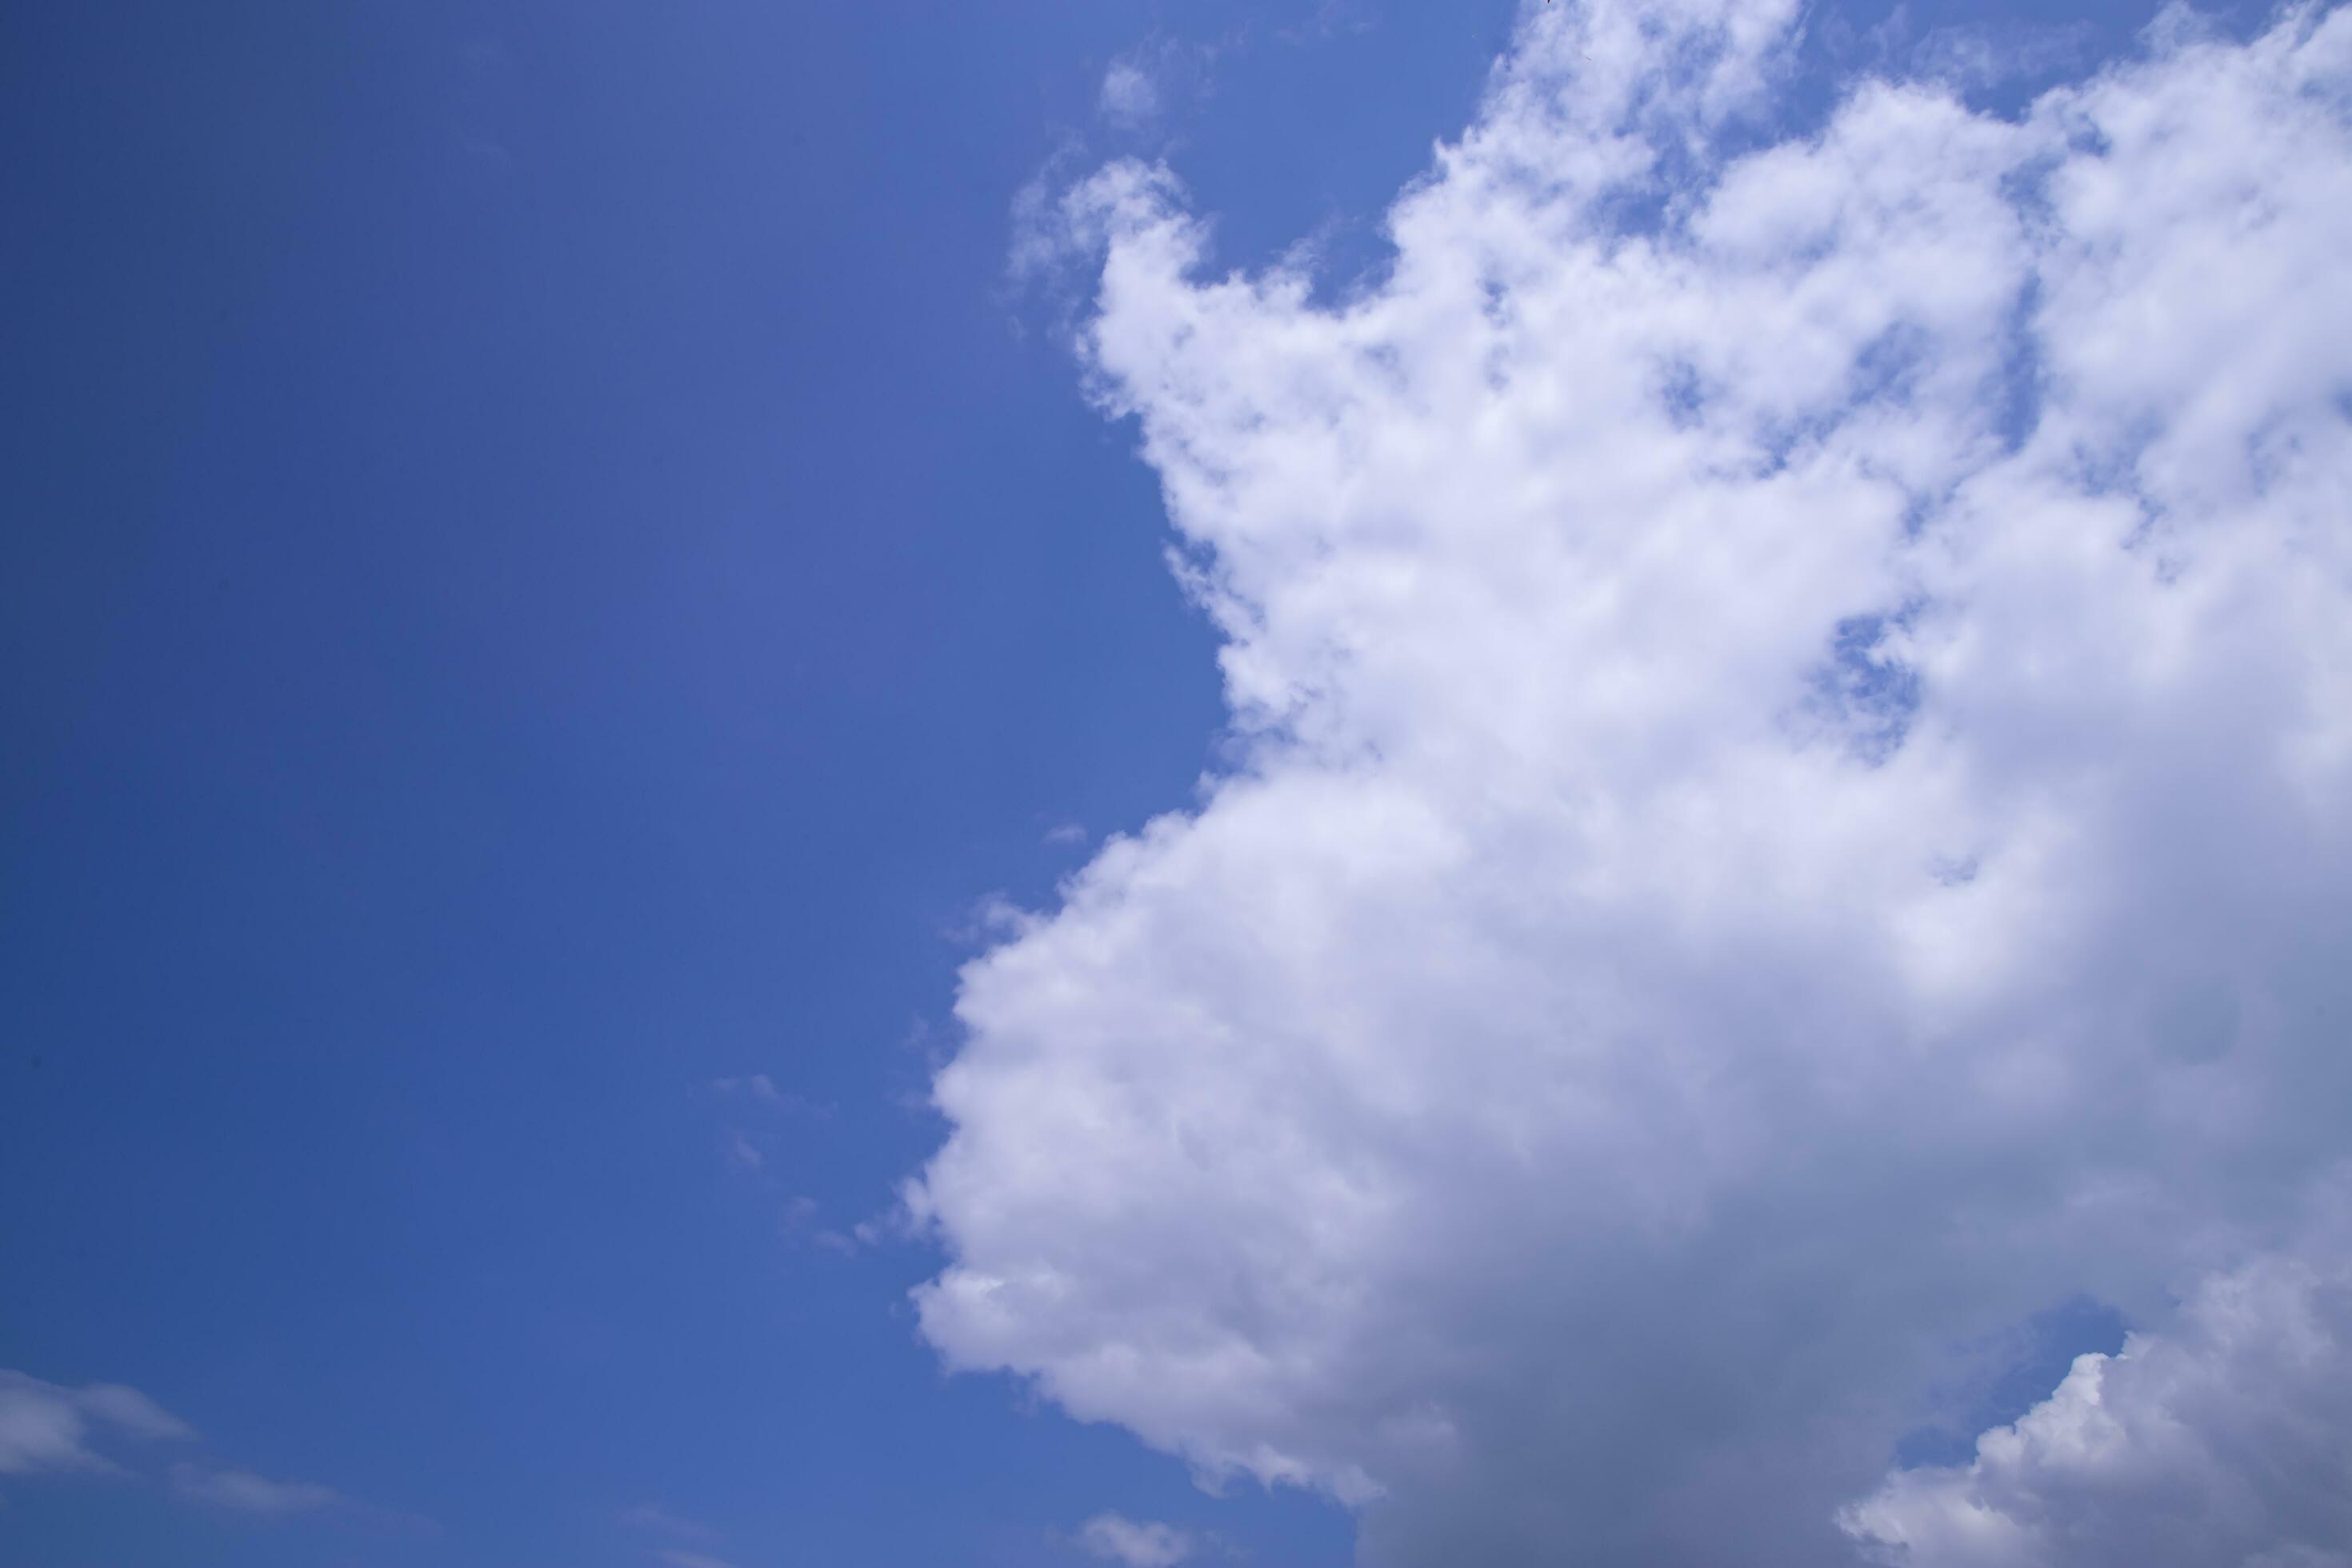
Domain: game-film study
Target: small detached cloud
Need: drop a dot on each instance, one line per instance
(47, 1427)
(801, 1224)
(248, 1493)
(1149, 86)
(675, 1559)
(1130, 99)
(749, 1142)
(655, 1520)
(653, 1517)
(1115, 1538)
(760, 1089)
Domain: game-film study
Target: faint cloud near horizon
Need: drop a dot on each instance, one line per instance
(46, 1426)
(49, 1428)
(251, 1494)
(653, 1517)
(677, 1558)
(655, 1520)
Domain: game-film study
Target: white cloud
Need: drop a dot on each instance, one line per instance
(1115, 1538)
(2221, 1445)
(1163, 77)
(249, 1493)
(760, 1087)
(653, 1517)
(661, 1520)
(1130, 97)
(1797, 726)
(44, 1427)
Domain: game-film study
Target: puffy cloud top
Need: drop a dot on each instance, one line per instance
(1795, 806)
(2224, 1445)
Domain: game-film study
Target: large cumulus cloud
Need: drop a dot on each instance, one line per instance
(1794, 799)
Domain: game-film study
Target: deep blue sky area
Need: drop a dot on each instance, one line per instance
(542, 566)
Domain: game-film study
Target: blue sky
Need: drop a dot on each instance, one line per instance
(550, 582)
(545, 571)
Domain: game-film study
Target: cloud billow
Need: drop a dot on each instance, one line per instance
(2221, 1443)
(1794, 707)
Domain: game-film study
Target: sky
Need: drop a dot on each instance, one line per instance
(1315, 783)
